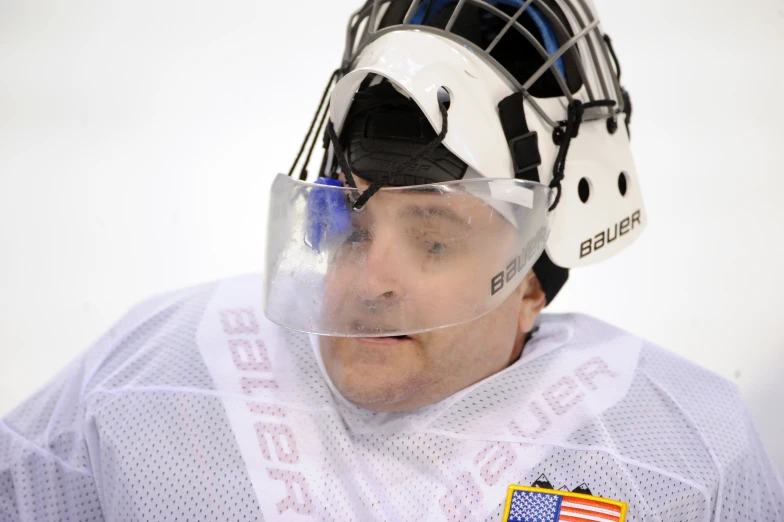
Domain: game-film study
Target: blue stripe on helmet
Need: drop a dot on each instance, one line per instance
(545, 28)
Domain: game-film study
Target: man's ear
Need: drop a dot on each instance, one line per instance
(533, 301)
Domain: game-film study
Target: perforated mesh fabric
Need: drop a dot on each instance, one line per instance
(166, 418)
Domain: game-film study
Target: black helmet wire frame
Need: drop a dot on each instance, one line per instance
(588, 26)
(363, 29)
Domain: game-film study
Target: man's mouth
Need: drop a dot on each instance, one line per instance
(388, 341)
(378, 334)
(377, 330)
(388, 338)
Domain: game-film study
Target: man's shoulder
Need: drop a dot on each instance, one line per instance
(687, 400)
(241, 286)
(191, 301)
(660, 364)
(165, 324)
(662, 382)
(584, 330)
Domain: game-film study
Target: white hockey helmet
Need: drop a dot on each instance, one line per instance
(518, 91)
(553, 54)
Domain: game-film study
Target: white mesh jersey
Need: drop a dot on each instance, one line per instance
(195, 407)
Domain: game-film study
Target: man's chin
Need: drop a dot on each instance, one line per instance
(381, 374)
(381, 400)
(379, 387)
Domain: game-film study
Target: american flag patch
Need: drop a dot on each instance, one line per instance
(531, 504)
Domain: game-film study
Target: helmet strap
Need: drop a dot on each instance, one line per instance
(563, 135)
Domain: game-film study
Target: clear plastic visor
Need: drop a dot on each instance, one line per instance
(414, 259)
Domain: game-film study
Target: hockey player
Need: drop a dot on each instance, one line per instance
(391, 362)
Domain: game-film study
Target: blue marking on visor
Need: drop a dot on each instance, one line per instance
(328, 212)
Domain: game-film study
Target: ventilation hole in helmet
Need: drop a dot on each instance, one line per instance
(623, 183)
(584, 190)
(444, 97)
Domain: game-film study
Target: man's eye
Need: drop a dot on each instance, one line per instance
(441, 250)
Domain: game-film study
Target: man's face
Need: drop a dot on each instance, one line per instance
(406, 263)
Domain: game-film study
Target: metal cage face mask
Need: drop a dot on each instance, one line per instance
(522, 92)
(534, 94)
(543, 48)
(413, 259)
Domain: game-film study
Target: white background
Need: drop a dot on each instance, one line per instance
(138, 140)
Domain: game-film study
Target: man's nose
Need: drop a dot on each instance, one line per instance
(383, 277)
